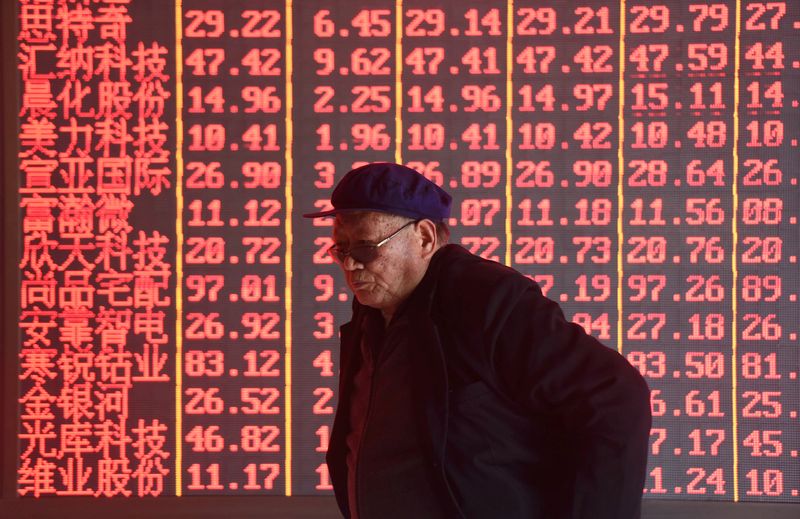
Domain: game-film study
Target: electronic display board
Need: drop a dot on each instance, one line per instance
(178, 317)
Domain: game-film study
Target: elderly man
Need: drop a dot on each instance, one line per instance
(463, 391)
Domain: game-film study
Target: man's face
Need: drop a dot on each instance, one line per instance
(389, 279)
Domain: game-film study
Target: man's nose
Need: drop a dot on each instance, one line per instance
(350, 264)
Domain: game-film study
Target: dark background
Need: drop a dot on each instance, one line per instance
(11, 506)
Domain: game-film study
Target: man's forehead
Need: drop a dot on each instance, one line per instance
(362, 220)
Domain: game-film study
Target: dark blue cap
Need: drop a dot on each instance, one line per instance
(389, 188)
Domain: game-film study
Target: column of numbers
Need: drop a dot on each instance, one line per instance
(767, 262)
(345, 99)
(564, 213)
(233, 250)
(454, 114)
(681, 140)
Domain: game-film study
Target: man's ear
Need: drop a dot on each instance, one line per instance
(426, 233)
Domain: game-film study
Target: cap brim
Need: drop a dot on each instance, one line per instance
(334, 212)
(321, 214)
(398, 212)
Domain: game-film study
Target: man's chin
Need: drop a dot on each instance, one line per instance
(366, 298)
(363, 297)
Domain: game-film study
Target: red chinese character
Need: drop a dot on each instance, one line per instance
(39, 136)
(151, 97)
(113, 247)
(75, 330)
(28, 63)
(76, 219)
(37, 404)
(37, 99)
(76, 402)
(115, 285)
(38, 175)
(37, 364)
(72, 97)
(113, 326)
(150, 178)
(150, 363)
(113, 21)
(75, 21)
(150, 138)
(80, 138)
(75, 476)
(113, 477)
(36, 252)
(38, 214)
(112, 214)
(76, 102)
(76, 365)
(111, 400)
(151, 324)
(36, 477)
(114, 175)
(77, 293)
(114, 99)
(76, 254)
(110, 57)
(37, 433)
(38, 289)
(71, 60)
(75, 439)
(112, 132)
(115, 366)
(150, 439)
(151, 251)
(77, 175)
(37, 324)
(36, 23)
(112, 435)
(150, 62)
(150, 477)
(147, 287)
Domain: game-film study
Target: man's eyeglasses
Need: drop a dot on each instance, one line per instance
(363, 253)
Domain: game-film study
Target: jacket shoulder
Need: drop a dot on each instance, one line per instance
(472, 287)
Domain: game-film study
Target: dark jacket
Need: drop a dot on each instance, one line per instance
(516, 412)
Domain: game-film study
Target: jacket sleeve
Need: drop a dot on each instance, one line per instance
(598, 402)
